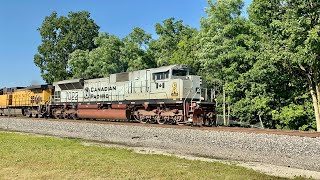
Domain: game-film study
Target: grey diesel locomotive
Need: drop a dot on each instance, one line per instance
(169, 94)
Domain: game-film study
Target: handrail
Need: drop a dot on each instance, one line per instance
(194, 96)
(184, 102)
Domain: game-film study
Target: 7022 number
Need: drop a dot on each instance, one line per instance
(72, 95)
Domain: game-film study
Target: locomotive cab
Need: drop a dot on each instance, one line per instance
(178, 84)
(187, 82)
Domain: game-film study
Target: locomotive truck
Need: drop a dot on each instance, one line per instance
(164, 95)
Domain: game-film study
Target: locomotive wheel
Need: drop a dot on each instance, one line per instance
(144, 120)
(28, 114)
(55, 115)
(66, 116)
(161, 120)
(172, 121)
(42, 115)
(59, 114)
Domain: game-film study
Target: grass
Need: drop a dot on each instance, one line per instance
(35, 157)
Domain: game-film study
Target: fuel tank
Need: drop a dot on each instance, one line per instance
(115, 114)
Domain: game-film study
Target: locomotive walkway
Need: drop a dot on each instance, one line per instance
(301, 154)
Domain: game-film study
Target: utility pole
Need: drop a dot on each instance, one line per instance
(224, 107)
(214, 99)
(228, 119)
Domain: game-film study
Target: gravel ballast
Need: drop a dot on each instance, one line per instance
(289, 151)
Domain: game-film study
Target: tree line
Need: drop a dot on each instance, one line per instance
(267, 63)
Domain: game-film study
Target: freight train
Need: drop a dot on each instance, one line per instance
(164, 95)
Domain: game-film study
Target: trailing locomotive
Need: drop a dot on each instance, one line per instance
(169, 94)
(29, 101)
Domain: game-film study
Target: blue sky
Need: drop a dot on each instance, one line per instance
(20, 19)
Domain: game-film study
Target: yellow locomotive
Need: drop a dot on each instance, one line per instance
(29, 101)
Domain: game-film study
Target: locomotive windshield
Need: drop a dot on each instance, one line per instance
(179, 72)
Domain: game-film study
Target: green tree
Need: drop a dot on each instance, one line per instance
(227, 49)
(101, 61)
(113, 55)
(60, 37)
(186, 51)
(136, 52)
(293, 28)
(226, 42)
(79, 63)
(172, 42)
(270, 92)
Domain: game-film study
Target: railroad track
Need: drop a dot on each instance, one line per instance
(219, 128)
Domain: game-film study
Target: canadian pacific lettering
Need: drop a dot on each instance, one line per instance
(111, 88)
(98, 92)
